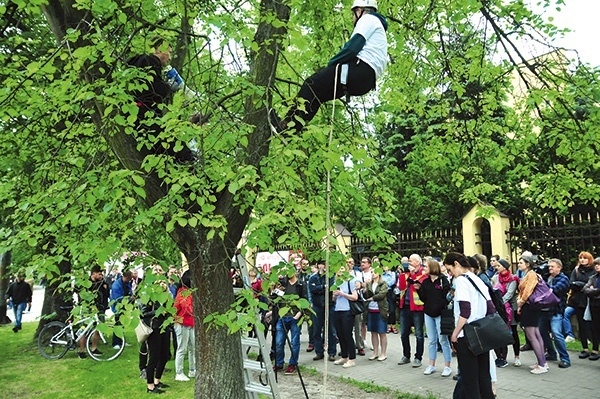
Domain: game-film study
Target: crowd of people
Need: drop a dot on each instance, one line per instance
(415, 297)
(419, 292)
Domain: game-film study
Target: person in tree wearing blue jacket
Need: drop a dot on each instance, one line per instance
(119, 291)
(355, 68)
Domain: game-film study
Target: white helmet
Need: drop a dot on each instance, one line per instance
(365, 4)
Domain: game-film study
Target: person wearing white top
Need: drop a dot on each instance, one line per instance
(469, 305)
(354, 69)
(343, 319)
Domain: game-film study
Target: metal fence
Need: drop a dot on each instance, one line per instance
(432, 243)
(556, 237)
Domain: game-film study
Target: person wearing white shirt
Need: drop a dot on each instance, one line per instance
(469, 305)
(353, 71)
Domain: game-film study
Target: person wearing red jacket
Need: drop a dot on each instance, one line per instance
(184, 328)
(411, 309)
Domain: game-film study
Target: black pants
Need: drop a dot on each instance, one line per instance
(143, 360)
(595, 328)
(502, 353)
(319, 88)
(475, 381)
(392, 306)
(344, 324)
(158, 349)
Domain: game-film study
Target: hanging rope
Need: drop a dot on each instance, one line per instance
(328, 235)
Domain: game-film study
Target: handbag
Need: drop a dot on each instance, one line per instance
(447, 323)
(587, 314)
(358, 306)
(542, 296)
(489, 332)
(143, 331)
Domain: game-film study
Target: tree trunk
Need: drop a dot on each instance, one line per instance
(218, 354)
(5, 260)
(54, 298)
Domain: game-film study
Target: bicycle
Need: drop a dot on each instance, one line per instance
(57, 338)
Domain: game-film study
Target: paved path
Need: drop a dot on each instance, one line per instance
(581, 380)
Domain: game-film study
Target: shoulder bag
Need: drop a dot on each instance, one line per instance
(489, 332)
(542, 296)
(358, 306)
(143, 331)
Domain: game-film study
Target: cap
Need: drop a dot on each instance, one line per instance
(504, 263)
(365, 4)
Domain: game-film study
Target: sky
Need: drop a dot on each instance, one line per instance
(581, 16)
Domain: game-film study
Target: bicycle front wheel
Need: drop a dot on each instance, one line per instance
(54, 340)
(100, 348)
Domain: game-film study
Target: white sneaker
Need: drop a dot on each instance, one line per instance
(117, 347)
(569, 339)
(517, 362)
(349, 363)
(192, 374)
(539, 370)
(181, 377)
(447, 372)
(429, 370)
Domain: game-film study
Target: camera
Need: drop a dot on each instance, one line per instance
(278, 292)
(411, 281)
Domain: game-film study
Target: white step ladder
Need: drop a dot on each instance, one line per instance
(255, 369)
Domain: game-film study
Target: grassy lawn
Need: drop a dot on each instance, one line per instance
(26, 374)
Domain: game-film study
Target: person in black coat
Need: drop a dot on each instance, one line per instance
(21, 295)
(152, 99)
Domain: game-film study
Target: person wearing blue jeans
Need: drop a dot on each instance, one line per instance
(552, 319)
(288, 322)
(285, 324)
(567, 327)
(408, 319)
(21, 295)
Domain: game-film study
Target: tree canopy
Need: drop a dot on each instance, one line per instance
(463, 114)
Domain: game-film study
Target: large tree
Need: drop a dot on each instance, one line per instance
(81, 185)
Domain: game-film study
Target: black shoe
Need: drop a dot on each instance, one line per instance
(310, 348)
(161, 385)
(594, 356)
(584, 354)
(155, 390)
(277, 368)
(319, 357)
(501, 363)
(81, 355)
(16, 329)
(455, 377)
(361, 352)
(331, 358)
(564, 365)
(97, 352)
(525, 347)
(551, 359)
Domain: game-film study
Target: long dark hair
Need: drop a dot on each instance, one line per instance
(452, 257)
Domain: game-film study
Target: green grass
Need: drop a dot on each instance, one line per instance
(26, 374)
(370, 387)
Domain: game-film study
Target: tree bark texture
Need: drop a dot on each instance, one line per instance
(5, 261)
